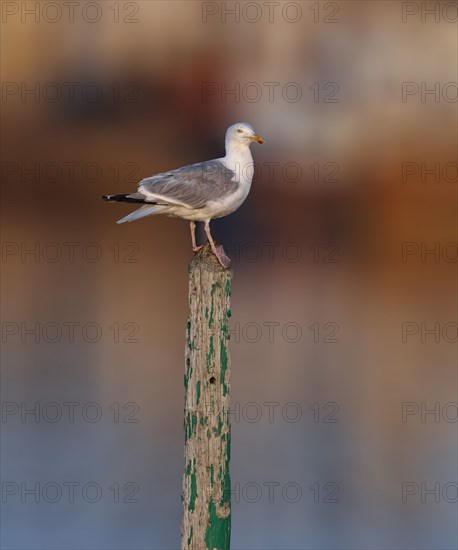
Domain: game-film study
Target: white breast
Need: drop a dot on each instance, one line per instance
(241, 163)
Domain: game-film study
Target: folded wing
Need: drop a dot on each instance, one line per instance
(192, 186)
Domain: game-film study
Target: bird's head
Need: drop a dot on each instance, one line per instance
(241, 135)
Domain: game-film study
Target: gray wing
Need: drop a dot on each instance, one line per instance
(191, 186)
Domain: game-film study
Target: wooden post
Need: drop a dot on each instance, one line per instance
(206, 480)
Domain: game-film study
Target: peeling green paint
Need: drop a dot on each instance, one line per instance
(192, 499)
(203, 420)
(210, 354)
(189, 342)
(226, 477)
(217, 431)
(210, 321)
(228, 287)
(190, 426)
(188, 429)
(190, 536)
(214, 287)
(228, 313)
(212, 475)
(198, 392)
(223, 358)
(225, 329)
(187, 435)
(188, 373)
(218, 534)
(193, 423)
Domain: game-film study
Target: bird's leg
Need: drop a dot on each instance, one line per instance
(221, 256)
(195, 248)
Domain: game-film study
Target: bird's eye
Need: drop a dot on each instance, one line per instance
(239, 131)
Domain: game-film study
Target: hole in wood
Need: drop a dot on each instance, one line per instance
(212, 380)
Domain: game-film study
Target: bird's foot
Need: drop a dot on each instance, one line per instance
(221, 256)
(217, 250)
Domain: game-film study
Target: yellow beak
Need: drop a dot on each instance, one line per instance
(257, 138)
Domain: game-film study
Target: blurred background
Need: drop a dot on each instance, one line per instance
(344, 381)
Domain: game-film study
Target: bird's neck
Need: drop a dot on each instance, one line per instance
(238, 156)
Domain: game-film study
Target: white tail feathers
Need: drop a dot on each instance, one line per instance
(143, 211)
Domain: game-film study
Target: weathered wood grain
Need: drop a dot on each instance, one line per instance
(206, 482)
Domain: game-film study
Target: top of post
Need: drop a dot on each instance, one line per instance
(205, 259)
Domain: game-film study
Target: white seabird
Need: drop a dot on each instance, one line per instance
(202, 191)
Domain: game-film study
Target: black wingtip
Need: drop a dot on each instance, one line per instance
(124, 197)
